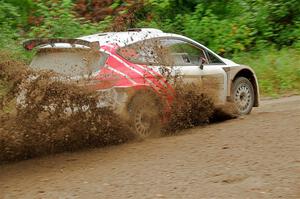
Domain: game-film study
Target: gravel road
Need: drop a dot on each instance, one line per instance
(256, 156)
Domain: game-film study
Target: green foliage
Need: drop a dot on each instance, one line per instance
(229, 26)
(9, 27)
(225, 26)
(23, 9)
(223, 36)
(8, 20)
(53, 20)
(60, 21)
(238, 28)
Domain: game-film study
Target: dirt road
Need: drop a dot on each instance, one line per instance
(257, 156)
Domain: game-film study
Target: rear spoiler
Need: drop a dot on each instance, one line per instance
(32, 43)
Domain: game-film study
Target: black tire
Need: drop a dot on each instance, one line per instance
(145, 115)
(243, 95)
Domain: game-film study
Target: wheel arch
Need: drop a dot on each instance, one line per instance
(247, 72)
(141, 91)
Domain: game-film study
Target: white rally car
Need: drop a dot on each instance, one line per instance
(124, 64)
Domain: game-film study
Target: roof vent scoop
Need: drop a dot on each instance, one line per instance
(144, 30)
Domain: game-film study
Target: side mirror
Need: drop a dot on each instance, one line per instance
(201, 63)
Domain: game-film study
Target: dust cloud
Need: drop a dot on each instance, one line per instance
(55, 115)
(58, 116)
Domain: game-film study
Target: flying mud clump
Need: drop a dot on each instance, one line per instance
(190, 108)
(55, 115)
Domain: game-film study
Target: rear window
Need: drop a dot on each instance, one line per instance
(69, 62)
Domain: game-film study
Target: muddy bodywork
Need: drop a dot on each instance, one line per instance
(115, 79)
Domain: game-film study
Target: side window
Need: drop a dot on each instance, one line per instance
(164, 51)
(183, 53)
(149, 51)
(213, 59)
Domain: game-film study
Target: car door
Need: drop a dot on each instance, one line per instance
(214, 77)
(185, 60)
(198, 66)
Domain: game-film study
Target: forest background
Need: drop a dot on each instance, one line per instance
(264, 34)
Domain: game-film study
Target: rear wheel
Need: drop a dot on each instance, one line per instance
(145, 114)
(243, 95)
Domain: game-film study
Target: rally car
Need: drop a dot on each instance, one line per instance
(136, 69)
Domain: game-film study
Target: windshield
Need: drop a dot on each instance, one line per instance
(69, 62)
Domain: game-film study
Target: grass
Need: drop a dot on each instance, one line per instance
(278, 72)
(3, 88)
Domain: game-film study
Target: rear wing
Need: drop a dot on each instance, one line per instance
(33, 43)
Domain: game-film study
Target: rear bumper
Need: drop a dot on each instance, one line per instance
(115, 99)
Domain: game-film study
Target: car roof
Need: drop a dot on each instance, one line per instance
(119, 38)
(131, 36)
(126, 37)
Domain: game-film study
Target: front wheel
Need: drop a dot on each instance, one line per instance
(243, 95)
